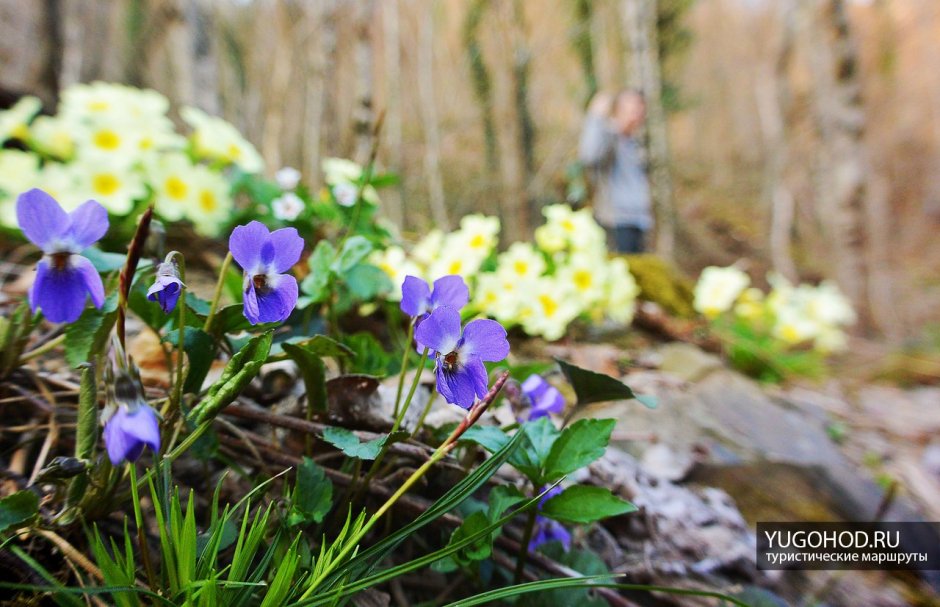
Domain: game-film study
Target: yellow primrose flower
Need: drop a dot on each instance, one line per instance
(212, 201)
(14, 122)
(521, 262)
(115, 185)
(396, 266)
(549, 308)
(52, 137)
(718, 288)
(215, 139)
(19, 172)
(621, 292)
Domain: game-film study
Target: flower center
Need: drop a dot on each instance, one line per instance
(549, 305)
(105, 184)
(175, 188)
(477, 241)
(449, 364)
(60, 260)
(521, 267)
(582, 279)
(260, 281)
(107, 140)
(207, 201)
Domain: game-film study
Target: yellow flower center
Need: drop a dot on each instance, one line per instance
(568, 225)
(789, 333)
(521, 267)
(234, 151)
(105, 184)
(455, 267)
(549, 305)
(107, 140)
(98, 105)
(175, 188)
(583, 280)
(477, 241)
(207, 201)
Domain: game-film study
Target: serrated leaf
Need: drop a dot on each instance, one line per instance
(582, 504)
(313, 494)
(591, 387)
(578, 445)
(351, 446)
(354, 251)
(89, 334)
(239, 371)
(18, 509)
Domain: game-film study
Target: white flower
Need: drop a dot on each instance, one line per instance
(587, 277)
(718, 288)
(478, 234)
(287, 178)
(215, 139)
(345, 193)
(793, 327)
(499, 296)
(338, 171)
(829, 306)
(287, 207)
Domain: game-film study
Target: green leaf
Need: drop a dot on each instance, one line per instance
(197, 304)
(585, 504)
(318, 345)
(591, 387)
(105, 262)
(313, 372)
(200, 352)
(239, 371)
(502, 498)
(354, 251)
(476, 551)
(316, 286)
(371, 358)
(313, 494)
(18, 509)
(366, 281)
(86, 432)
(579, 444)
(490, 438)
(88, 335)
(349, 443)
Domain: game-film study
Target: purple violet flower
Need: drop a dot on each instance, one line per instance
(459, 356)
(129, 430)
(418, 300)
(133, 424)
(167, 287)
(270, 294)
(544, 397)
(63, 277)
(548, 530)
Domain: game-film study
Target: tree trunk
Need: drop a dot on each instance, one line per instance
(640, 23)
(321, 42)
(364, 115)
(773, 103)
(482, 83)
(432, 137)
(275, 94)
(392, 201)
(583, 41)
(840, 120)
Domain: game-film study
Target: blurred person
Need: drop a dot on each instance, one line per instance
(609, 147)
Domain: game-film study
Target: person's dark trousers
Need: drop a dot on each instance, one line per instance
(627, 239)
